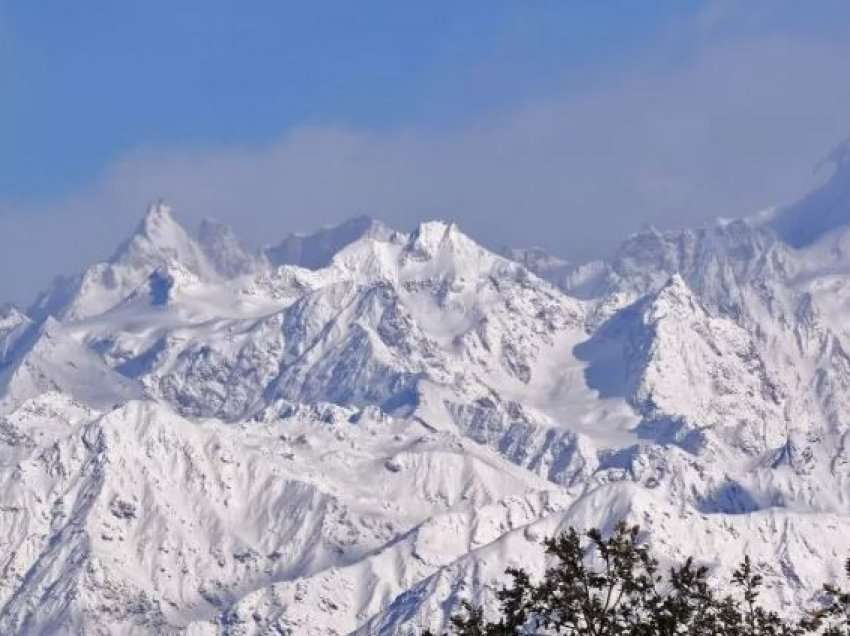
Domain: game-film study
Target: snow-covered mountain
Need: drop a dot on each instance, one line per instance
(354, 430)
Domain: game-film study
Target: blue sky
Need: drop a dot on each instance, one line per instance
(565, 124)
(87, 81)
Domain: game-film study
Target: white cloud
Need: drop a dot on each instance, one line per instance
(735, 129)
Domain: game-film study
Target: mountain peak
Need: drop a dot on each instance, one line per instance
(539, 261)
(160, 238)
(315, 250)
(675, 299)
(159, 242)
(429, 237)
(823, 210)
(223, 249)
(534, 258)
(11, 317)
(677, 284)
(13, 325)
(162, 229)
(434, 231)
(159, 218)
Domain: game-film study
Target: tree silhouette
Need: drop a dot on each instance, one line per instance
(612, 586)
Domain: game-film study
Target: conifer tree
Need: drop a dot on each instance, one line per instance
(598, 586)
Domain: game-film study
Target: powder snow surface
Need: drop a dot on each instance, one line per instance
(354, 431)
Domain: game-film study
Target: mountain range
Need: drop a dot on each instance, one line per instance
(352, 431)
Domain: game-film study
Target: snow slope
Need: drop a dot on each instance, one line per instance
(356, 429)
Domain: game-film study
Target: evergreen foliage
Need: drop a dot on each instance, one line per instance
(613, 586)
